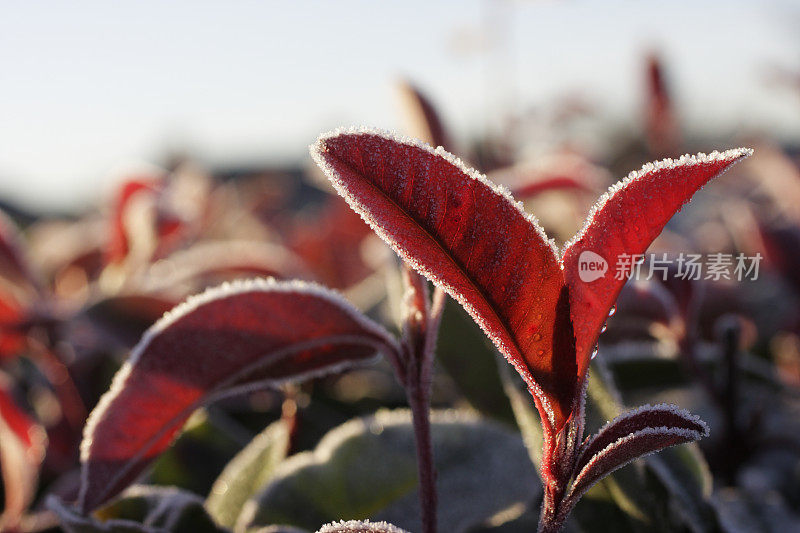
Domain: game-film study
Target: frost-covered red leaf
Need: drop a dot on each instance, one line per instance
(472, 239)
(358, 526)
(621, 225)
(22, 449)
(632, 435)
(229, 339)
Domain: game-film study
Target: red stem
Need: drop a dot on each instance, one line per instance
(559, 454)
(419, 401)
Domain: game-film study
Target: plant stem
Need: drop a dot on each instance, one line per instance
(551, 519)
(419, 401)
(559, 453)
(421, 322)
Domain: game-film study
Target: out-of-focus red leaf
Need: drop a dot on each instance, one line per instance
(424, 122)
(661, 124)
(473, 240)
(552, 183)
(12, 316)
(126, 316)
(230, 339)
(60, 248)
(621, 225)
(782, 247)
(565, 171)
(330, 245)
(645, 309)
(211, 260)
(118, 244)
(22, 449)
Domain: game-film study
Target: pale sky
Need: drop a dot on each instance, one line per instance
(86, 87)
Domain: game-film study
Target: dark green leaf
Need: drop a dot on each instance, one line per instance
(366, 468)
(248, 472)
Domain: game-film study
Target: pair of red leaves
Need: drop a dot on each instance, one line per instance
(471, 238)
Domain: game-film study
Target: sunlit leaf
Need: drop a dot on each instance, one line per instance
(471, 239)
(621, 225)
(248, 472)
(630, 436)
(229, 339)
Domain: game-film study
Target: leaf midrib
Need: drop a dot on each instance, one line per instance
(503, 323)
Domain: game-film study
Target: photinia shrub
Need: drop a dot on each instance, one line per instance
(543, 308)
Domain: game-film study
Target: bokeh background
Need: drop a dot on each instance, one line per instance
(90, 87)
(150, 150)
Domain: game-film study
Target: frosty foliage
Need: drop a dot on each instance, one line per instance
(684, 161)
(379, 174)
(151, 373)
(631, 435)
(359, 526)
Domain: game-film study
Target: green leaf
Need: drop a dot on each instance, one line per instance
(530, 425)
(366, 468)
(683, 473)
(468, 358)
(196, 457)
(248, 472)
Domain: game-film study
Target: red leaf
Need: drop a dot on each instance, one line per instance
(330, 244)
(622, 224)
(470, 238)
(119, 245)
(630, 436)
(230, 339)
(661, 124)
(662, 415)
(423, 120)
(560, 171)
(22, 449)
(217, 260)
(12, 318)
(553, 183)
